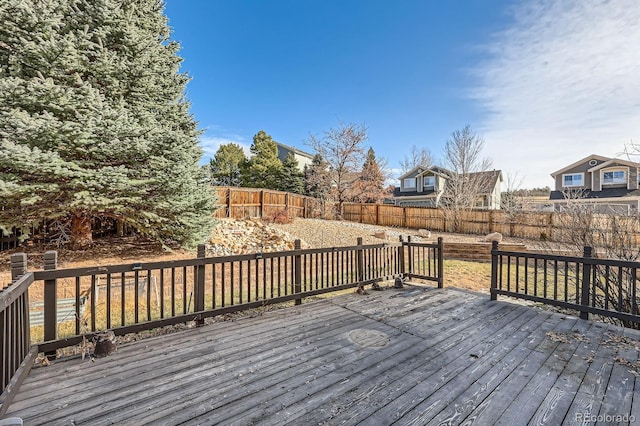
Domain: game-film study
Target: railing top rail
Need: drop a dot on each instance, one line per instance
(415, 244)
(529, 255)
(564, 258)
(15, 290)
(142, 266)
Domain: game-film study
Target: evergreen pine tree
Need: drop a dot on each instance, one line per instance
(317, 180)
(264, 166)
(370, 185)
(291, 178)
(93, 120)
(226, 166)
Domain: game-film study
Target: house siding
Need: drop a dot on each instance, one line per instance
(284, 151)
(582, 168)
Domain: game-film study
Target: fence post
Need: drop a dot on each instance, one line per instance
(50, 301)
(377, 214)
(297, 273)
(198, 291)
(494, 270)
(18, 265)
(440, 263)
(229, 202)
(586, 281)
(360, 261)
(410, 254)
(261, 212)
(401, 258)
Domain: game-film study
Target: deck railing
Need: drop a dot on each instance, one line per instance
(134, 297)
(17, 355)
(590, 285)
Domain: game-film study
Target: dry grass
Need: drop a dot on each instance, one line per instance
(469, 275)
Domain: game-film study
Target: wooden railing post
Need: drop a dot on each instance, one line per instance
(360, 261)
(440, 263)
(297, 273)
(586, 281)
(410, 255)
(18, 265)
(401, 265)
(51, 301)
(494, 270)
(198, 291)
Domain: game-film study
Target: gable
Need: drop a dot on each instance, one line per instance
(583, 165)
(614, 162)
(415, 172)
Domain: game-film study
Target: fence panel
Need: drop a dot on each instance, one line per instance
(425, 218)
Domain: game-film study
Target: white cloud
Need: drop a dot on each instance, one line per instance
(211, 144)
(562, 82)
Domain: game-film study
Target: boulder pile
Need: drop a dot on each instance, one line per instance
(244, 236)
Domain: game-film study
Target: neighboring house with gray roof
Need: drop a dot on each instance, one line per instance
(302, 157)
(425, 186)
(609, 184)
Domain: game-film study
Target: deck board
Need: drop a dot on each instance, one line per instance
(451, 357)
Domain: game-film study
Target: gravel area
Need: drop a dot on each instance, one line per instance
(318, 233)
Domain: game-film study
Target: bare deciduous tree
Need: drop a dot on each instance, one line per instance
(417, 157)
(342, 149)
(466, 177)
(513, 198)
(583, 224)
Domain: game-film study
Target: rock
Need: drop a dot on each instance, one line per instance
(246, 236)
(424, 233)
(494, 236)
(382, 235)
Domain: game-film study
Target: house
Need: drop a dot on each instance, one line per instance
(425, 187)
(608, 184)
(303, 158)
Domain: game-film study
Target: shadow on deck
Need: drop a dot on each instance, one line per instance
(413, 356)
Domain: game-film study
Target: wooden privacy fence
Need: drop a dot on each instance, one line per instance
(142, 296)
(237, 203)
(548, 226)
(605, 287)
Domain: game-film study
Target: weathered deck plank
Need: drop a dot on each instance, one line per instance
(451, 357)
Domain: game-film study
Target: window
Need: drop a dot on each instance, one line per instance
(613, 177)
(409, 183)
(429, 181)
(574, 179)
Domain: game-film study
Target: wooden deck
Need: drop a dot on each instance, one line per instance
(410, 357)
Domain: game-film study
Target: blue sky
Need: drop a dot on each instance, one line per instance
(545, 83)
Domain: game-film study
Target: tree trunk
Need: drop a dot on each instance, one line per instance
(81, 231)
